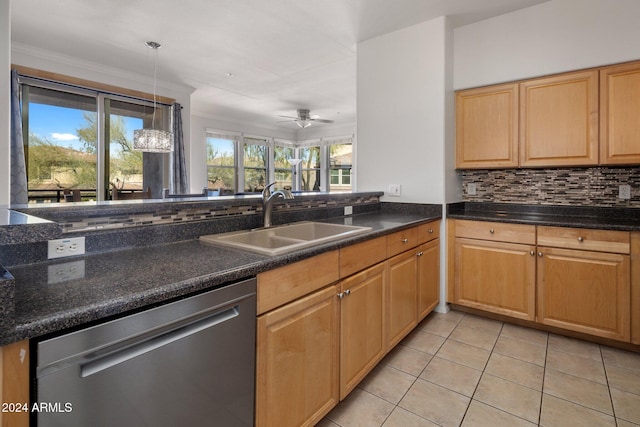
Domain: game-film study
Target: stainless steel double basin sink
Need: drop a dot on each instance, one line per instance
(285, 238)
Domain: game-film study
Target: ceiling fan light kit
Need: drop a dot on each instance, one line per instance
(304, 118)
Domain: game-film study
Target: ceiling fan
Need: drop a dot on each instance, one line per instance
(304, 119)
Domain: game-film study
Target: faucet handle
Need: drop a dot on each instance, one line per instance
(266, 193)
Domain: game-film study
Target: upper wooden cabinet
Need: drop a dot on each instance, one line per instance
(487, 127)
(620, 114)
(559, 120)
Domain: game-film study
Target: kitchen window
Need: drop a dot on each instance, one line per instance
(81, 138)
(246, 163)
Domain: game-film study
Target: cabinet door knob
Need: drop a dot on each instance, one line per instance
(405, 240)
(532, 253)
(580, 239)
(420, 253)
(492, 231)
(431, 230)
(341, 295)
(347, 292)
(539, 254)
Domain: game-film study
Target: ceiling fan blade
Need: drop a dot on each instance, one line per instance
(322, 120)
(286, 121)
(288, 117)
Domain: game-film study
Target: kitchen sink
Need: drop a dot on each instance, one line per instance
(285, 238)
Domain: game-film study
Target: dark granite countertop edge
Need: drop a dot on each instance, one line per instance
(78, 316)
(620, 219)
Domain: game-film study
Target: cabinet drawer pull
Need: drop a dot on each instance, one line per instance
(580, 239)
(492, 231)
(405, 240)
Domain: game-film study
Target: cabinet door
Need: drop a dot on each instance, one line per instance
(487, 127)
(362, 343)
(402, 297)
(297, 361)
(584, 291)
(619, 112)
(428, 277)
(559, 120)
(495, 276)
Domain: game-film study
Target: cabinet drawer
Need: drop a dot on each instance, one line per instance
(402, 241)
(357, 257)
(580, 238)
(281, 285)
(428, 232)
(496, 231)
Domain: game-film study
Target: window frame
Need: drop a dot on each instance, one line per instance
(66, 85)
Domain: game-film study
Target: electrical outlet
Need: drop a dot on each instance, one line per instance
(471, 189)
(59, 273)
(61, 248)
(394, 190)
(348, 210)
(624, 192)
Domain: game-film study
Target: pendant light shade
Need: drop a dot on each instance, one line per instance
(153, 140)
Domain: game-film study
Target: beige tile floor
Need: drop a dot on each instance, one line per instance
(458, 369)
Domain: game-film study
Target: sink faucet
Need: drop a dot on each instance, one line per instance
(268, 198)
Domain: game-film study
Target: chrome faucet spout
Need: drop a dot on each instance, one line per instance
(269, 198)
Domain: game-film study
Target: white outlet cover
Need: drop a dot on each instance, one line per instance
(60, 248)
(394, 190)
(624, 192)
(471, 189)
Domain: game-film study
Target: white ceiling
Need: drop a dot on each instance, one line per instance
(283, 54)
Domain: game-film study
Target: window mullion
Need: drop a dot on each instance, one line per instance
(102, 186)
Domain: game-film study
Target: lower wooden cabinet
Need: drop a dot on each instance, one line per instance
(581, 280)
(584, 291)
(428, 267)
(362, 315)
(297, 361)
(402, 297)
(496, 276)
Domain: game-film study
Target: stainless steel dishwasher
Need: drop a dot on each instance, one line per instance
(186, 363)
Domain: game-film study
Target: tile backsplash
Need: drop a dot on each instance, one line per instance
(596, 186)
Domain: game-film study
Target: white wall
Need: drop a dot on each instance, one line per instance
(402, 112)
(556, 36)
(5, 102)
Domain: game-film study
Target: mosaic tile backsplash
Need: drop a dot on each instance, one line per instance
(567, 186)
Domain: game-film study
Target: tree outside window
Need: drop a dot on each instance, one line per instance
(255, 161)
(310, 174)
(283, 167)
(221, 165)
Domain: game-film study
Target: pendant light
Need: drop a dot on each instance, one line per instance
(153, 140)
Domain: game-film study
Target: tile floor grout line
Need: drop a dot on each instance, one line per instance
(544, 375)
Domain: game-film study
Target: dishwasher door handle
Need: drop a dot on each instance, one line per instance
(121, 356)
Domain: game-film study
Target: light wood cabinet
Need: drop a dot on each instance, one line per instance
(559, 120)
(297, 361)
(317, 339)
(496, 276)
(584, 291)
(14, 382)
(584, 281)
(428, 266)
(619, 113)
(495, 267)
(362, 316)
(487, 127)
(402, 296)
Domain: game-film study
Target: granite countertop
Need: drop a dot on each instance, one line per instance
(603, 218)
(113, 283)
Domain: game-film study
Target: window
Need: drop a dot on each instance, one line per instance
(79, 138)
(340, 164)
(255, 161)
(310, 168)
(283, 167)
(221, 163)
(243, 163)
